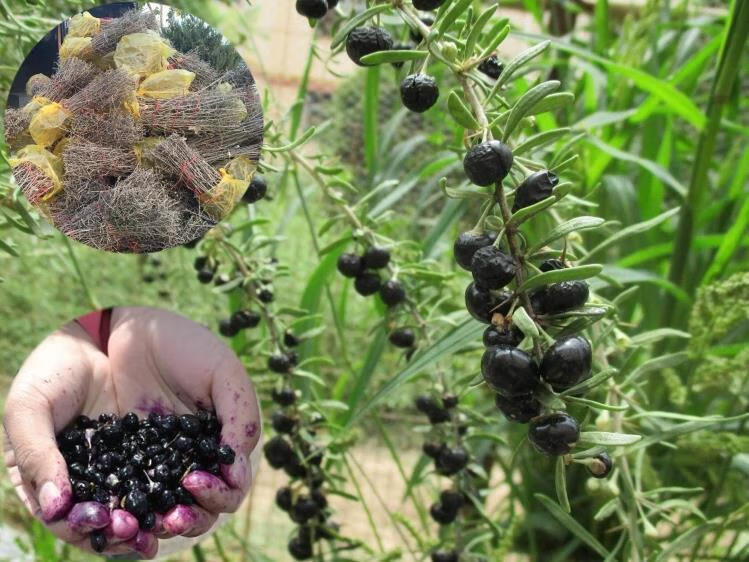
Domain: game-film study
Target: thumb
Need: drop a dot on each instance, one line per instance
(30, 431)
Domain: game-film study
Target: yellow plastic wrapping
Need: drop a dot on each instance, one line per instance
(43, 159)
(35, 105)
(220, 200)
(131, 105)
(60, 146)
(142, 53)
(242, 167)
(104, 62)
(143, 149)
(84, 25)
(36, 79)
(46, 126)
(76, 47)
(166, 84)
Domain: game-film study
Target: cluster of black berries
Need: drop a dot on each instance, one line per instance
(304, 498)
(152, 271)
(418, 91)
(256, 191)
(492, 67)
(138, 464)
(448, 461)
(240, 320)
(315, 9)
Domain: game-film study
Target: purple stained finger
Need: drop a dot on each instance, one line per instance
(88, 516)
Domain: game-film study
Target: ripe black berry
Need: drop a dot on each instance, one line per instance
(432, 409)
(492, 67)
(449, 401)
(402, 337)
(509, 371)
(148, 521)
(205, 276)
(488, 163)
(282, 423)
(190, 425)
(279, 363)
(452, 460)
(441, 514)
(284, 498)
(130, 422)
(415, 34)
(482, 304)
(419, 92)
(304, 509)
(392, 293)
(312, 8)
(432, 450)
(451, 499)
(183, 497)
(492, 268)
(278, 452)
(284, 397)
(368, 283)
(560, 297)
(256, 190)
(507, 335)
(265, 295)
(566, 362)
(350, 265)
(551, 265)
(200, 263)
(468, 243)
(243, 319)
(300, 548)
(319, 498)
(226, 455)
(554, 434)
(332, 4)
(428, 4)
(136, 502)
(376, 258)
(98, 541)
(227, 328)
(444, 556)
(207, 448)
(519, 409)
(366, 40)
(536, 187)
(82, 490)
(289, 339)
(600, 465)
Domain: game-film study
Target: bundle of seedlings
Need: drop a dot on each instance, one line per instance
(132, 470)
(126, 111)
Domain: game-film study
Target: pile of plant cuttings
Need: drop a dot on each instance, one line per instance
(131, 145)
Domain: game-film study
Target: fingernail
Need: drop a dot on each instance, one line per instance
(88, 516)
(53, 503)
(179, 520)
(123, 526)
(146, 544)
(199, 481)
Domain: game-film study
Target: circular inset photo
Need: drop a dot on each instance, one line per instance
(132, 431)
(134, 129)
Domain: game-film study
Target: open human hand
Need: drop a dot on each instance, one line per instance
(157, 362)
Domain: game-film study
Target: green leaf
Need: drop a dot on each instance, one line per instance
(4, 246)
(663, 435)
(477, 28)
(385, 57)
(731, 242)
(294, 144)
(540, 139)
(521, 319)
(578, 530)
(652, 336)
(558, 275)
(465, 333)
(460, 112)
(656, 364)
(451, 16)
(592, 382)
(608, 439)
(497, 38)
(572, 225)
(552, 102)
(656, 169)
(527, 101)
(631, 230)
(560, 483)
(517, 62)
(356, 21)
(686, 540)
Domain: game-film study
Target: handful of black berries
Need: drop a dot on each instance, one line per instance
(138, 464)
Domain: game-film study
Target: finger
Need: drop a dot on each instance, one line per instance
(145, 544)
(123, 526)
(188, 521)
(212, 493)
(237, 409)
(202, 524)
(85, 517)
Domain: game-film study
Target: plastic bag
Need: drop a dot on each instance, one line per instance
(46, 126)
(143, 150)
(60, 146)
(38, 80)
(76, 47)
(105, 62)
(220, 200)
(142, 53)
(36, 103)
(43, 159)
(166, 84)
(242, 167)
(131, 105)
(83, 25)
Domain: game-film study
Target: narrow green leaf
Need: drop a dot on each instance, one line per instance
(686, 540)
(565, 519)
(656, 364)
(385, 57)
(356, 21)
(560, 483)
(477, 29)
(631, 231)
(608, 439)
(552, 102)
(590, 383)
(460, 112)
(731, 242)
(653, 336)
(465, 333)
(521, 319)
(558, 275)
(451, 16)
(527, 101)
(572, 225)
(4, 246)
(495, 42)
(540, 139)
(294, 144)
(517, 62)
(663, 435)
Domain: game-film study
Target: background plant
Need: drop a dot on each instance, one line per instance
(645, 130)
